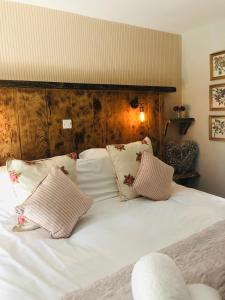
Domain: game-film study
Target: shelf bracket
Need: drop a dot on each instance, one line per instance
(183, 124)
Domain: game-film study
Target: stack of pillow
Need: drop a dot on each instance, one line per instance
(55, 193)
(52, 199)
(137, 171)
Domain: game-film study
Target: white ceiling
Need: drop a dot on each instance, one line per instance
(175, 16)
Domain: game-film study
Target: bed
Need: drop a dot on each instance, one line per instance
(111, 235)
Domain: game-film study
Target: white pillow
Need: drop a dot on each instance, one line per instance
(5, 183)
(8, 200)
(94, 153)
(96, 178)
(156, 277)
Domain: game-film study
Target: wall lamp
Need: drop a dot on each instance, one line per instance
(134, 103)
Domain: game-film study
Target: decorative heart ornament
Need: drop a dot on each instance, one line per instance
(181, 157)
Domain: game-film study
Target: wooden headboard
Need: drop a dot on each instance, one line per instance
(31, 115)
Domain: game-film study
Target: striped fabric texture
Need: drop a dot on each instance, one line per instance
(57, 204)
(154, 178)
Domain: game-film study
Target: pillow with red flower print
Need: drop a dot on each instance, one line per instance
(27, 175)
(126, 160)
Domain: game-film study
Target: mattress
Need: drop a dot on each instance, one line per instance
(111, 235)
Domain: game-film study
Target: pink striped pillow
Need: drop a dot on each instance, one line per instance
(154, 178)
(57, 204)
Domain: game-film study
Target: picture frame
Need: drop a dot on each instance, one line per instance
(217, 128)
(217, 97)
(217, 65)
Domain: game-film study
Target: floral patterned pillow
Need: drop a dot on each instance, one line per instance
(27, 175)
(23, 224)
(126, 160)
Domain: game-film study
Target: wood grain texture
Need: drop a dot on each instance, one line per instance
(85, 86)
(9, 129)
(33, 123)
(59, 103)
(31, 120)
(82, 109)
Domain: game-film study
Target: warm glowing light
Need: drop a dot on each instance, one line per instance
(142, 114)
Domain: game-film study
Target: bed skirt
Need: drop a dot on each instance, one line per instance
(200, 257)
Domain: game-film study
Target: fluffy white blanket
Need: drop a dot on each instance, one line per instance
(200, 257)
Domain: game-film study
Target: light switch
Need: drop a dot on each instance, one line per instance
(67, 124)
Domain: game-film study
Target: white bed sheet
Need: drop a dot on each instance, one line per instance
(111, 235)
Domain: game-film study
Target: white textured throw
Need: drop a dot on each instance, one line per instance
(156, 277)
(201, 291)
(200, 257)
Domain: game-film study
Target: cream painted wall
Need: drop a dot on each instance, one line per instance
(48, 45)
(196, 47)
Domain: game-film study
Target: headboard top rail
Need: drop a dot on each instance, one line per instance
(85, 86)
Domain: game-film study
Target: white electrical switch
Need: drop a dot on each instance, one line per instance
(67, 124)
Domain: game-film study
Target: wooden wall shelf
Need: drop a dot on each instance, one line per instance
(182, 123)
(85, 86)
(177, 177)
(188, 179)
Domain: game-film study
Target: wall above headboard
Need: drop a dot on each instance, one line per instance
(48, 45)
(31, 115)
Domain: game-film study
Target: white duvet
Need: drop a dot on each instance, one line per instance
(111, 235)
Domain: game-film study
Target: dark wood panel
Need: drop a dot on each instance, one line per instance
(98, 102)
(33, 123)
(83, 120)
(85, 86)
(59, 103)
(89, 119)
(9, 129)
(33, 120)
(118, 124)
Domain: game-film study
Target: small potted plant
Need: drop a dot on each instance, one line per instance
(179, 110)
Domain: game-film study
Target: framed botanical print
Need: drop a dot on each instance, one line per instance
(217, 97)
(217, 128)
(217, 65)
